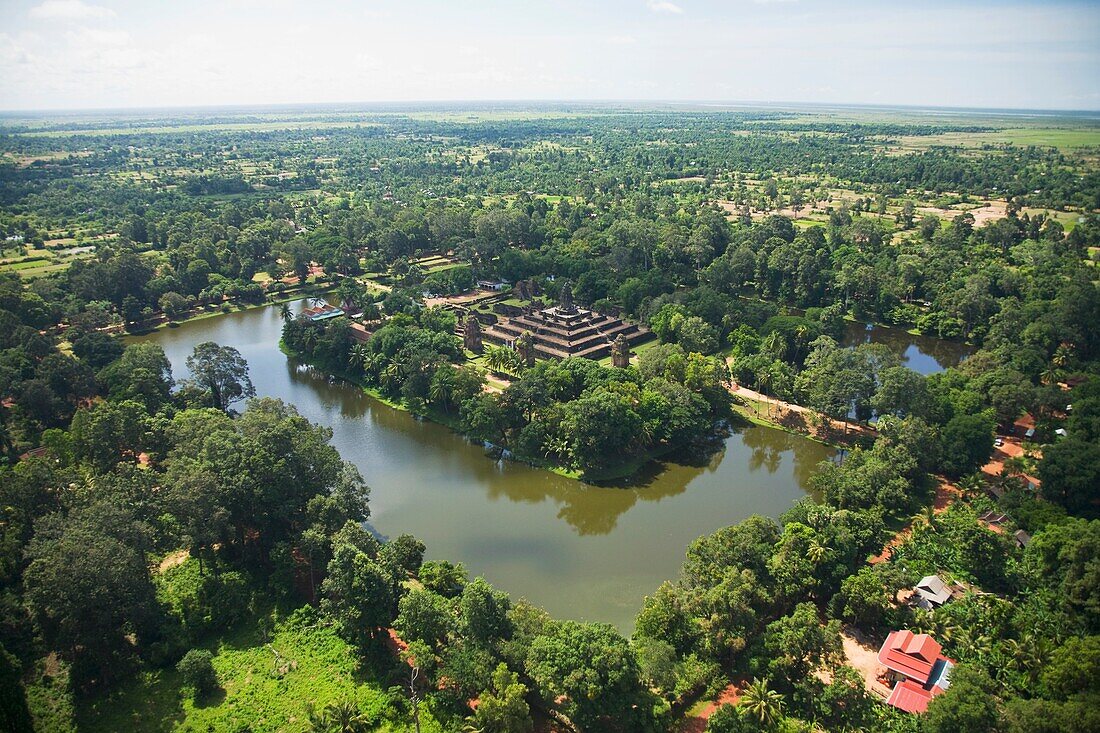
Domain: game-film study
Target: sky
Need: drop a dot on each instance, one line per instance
(87, 54)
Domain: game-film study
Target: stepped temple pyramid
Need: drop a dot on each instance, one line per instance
(565, 330)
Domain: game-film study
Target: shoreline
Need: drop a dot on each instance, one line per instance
(300, 294)
(622, 471)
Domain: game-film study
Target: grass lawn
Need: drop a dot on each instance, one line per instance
(258, 691)
(1065, 139)
(258, 126)
(266, 680)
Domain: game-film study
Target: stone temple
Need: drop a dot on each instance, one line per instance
(565, 330)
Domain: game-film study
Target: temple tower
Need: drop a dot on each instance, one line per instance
(567, 305)
(525, 345)
(620, 352)
(471, 336)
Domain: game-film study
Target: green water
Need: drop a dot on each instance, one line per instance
(580, 551)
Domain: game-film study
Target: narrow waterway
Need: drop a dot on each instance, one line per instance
(580, 551)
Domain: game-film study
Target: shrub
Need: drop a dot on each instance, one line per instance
(197, 669)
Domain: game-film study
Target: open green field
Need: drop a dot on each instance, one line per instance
(1061, 138)
(268, 668)
(265, 684)
(258, 126)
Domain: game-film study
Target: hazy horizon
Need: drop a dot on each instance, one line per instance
(116, 55)
(472, 105)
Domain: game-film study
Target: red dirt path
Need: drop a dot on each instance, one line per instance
(697, 723)
(946, 493)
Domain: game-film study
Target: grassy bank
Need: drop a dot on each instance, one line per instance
(285, 297)
(750, 410)
(269, 667)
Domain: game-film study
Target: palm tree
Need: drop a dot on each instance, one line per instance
(977, 644)
(925, 519)
(496, 357)
(390, 376)
(764, 380)
(337, 717)
(817, 551)
(922, 622)
(1050, 375)
(442, 389)
(1027, 655)
(945, 629)
(285, 313)
(513, 362)
(359, 356)
(1062, 355)
(763, 704)
(774, 344)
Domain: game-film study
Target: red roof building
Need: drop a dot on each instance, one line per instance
(911, 697)
(359, 332)
(919, 669)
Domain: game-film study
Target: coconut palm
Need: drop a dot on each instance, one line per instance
(761, 703)
(337, 717)
(1062, 355)
(763, 381)
(922, 622)
(513, 362)
(1028, 655)
(374, 365)
(390, 377)
(441, 390)
(817, 551)
(496, 357)
(944, 629)
(285, 312)
(774, 344)
(358, 356)
(925, 519)
(974, 644)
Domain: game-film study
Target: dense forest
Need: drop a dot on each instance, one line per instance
(153, 527)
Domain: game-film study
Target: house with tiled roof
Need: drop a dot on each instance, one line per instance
(917, 667)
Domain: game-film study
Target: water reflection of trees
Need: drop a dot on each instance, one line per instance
(768, 446)
(945, 353)
(331, 392)
(589, 509)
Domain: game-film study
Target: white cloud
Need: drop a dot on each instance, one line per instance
(664, 6)
(622, 40)
(69, 10)
(93, 39)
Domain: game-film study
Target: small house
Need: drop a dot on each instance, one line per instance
(918, 668)
(1022, 538)
(359, 332)
(321, 311)
(495, 285)
(931, 592)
